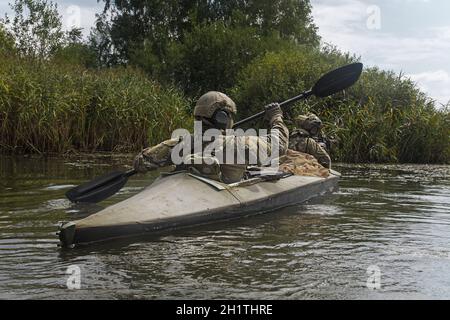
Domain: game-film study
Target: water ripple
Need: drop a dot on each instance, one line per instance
(394, 217)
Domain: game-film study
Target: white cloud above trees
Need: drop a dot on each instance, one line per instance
(422, 53)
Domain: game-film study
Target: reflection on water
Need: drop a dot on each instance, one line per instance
(393, 217)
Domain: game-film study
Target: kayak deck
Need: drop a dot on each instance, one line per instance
(181, 200)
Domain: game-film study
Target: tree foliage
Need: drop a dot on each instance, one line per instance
(36, 26)
(129, 25)
(211, 56)
(36, 29)
(7, 45)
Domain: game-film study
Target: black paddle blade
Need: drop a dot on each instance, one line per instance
(98, 189)
(337, 80)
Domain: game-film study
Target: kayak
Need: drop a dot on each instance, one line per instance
(183, 199)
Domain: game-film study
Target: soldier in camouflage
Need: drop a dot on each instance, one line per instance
(216, 111)
(303, 138)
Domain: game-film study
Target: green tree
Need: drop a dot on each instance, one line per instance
(100, 41)
(211, 56)
(6, 41)
(128, 26)
(36, 27)
(75, 51)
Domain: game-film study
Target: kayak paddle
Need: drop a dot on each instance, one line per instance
(100, 188)
(331, 83)
(105, 186)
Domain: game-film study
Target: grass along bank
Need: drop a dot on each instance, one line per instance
(47, 107)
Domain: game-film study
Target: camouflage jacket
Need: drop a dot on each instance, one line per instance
(300, 140)
(161, 155)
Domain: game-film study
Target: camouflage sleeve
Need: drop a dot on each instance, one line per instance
(316, 150)
(279, 127)
(258, 150)
(155, 157)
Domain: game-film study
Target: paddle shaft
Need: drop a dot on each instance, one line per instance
(283, 105)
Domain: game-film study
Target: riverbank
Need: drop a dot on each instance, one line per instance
(126, 160)
(55, 108)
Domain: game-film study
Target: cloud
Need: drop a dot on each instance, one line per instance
(79, 16)
(79, 13)
(420, 53)
(437, 83)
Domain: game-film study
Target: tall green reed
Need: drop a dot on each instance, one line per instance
(56, 107)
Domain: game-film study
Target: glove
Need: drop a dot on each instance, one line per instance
(142, 166)
(273, 111)
(138, 164)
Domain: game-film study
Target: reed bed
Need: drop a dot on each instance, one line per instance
(55, 107)
(58, 108)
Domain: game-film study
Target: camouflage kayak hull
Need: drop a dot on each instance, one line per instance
(183, 200)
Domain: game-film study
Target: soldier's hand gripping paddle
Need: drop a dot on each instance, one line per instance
(105, 186)
(331, 83)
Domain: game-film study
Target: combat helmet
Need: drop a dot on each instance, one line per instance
(310, 123)
(212, 101)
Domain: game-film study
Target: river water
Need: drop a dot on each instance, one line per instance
(384, 235)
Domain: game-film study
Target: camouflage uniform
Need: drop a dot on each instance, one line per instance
(160, 155)
(302, 164)
(301, 139)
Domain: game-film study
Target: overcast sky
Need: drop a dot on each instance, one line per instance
(412, 36)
